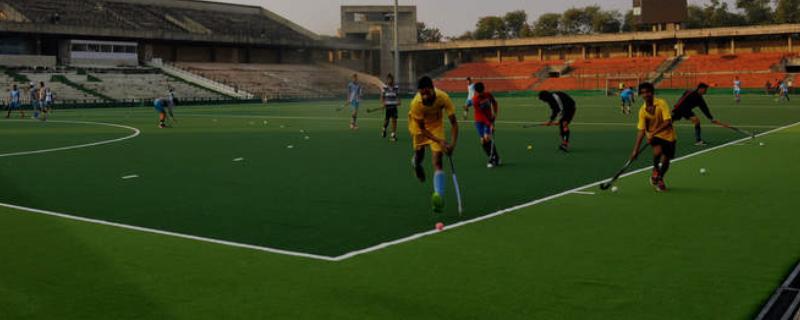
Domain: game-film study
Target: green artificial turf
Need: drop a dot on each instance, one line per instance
(714, 247)
(334, 191)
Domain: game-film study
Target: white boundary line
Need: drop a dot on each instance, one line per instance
(232, 116)
(536, 202)
(365, 250)
(136, 133)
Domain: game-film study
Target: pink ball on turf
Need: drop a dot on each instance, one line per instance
(440, 226)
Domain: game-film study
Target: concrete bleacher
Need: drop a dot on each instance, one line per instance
(164, 16)
(138, 86)
(117, 85)
(278, 80)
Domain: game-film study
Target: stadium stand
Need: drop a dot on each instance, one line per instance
(753, 69)
(115, 84)
(498, 77)
(276, 81)
(166, 16)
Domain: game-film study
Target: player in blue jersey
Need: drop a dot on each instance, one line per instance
(470, 97)
(14, 102)
(354, 94)
(627, 96)
(737, 89)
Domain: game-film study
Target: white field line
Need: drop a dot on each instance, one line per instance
(357, 252)
(136, 133)
(586, 193)
(165, 233)
(233, 116)
(536, 202)
(133, 176)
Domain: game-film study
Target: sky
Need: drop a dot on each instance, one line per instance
(452, 17)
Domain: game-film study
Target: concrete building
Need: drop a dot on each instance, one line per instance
(375, 24)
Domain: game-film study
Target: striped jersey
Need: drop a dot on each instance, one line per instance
(391, 95)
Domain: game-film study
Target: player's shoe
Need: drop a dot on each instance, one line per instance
(352, 126)
(654, 178)
(700, 143)
(394, 137)
(564, 147)
(437, 202)
(383, 133)
(418, 170)
(661, 186)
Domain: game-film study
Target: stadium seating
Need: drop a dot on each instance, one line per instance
(138, 86)
(120, 86)
(278, 80)
(753, 69)
(162, 17)
(498, 77)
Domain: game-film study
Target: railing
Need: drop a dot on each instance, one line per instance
(199, 80)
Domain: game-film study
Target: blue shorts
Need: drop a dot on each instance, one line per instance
(483, 129)
(737, 91)
(354, 105)
(13, 105)
(468, 103)
(627, 99)
(159, 106)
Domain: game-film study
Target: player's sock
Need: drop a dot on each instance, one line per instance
(487, 147)
(355, 118)
(496, 158)
(438, 182)
(664, 169)
(698, 136)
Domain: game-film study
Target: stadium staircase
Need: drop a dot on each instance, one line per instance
(199, 80)
(753, 69)
(282, 81)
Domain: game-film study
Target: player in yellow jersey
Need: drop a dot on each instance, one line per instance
(655, 123)
(426, 126)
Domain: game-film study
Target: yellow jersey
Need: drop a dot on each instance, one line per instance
(432, 116)
(650, 121)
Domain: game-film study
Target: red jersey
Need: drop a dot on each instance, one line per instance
(483, 104)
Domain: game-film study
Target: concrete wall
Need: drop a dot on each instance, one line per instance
(27, 61)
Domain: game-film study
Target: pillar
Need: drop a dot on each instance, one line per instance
(583, 52)
(733, 46)
(412, 77)
(630, 50)
(655, 49)
(789, 43)
(499, 55)
(446, 58)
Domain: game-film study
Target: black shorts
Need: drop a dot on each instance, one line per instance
(677, 114)
(567, 116)
(391, 112)
(667, 147)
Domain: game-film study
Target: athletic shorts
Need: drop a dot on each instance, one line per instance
(667, 147)
(627, 100)
(420, 141)
(568, 116)
(678, 115)
(354, 105)
(737, 91)
(468, 103)
(13, 105)
(159, 106)
(483, 129)
(391, 112)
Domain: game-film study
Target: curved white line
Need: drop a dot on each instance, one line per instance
(136, 133)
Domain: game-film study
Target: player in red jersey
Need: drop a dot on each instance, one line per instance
(486, 108)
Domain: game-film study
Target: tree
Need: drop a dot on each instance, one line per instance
(605, 21)
(787, 11)
(490, 28)
(464, 36)
(718, 15)
(547, 25)
(428, 34)
(516, 24)
(697, 18)
(756, 11)
(575, 21)
(630, 22)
